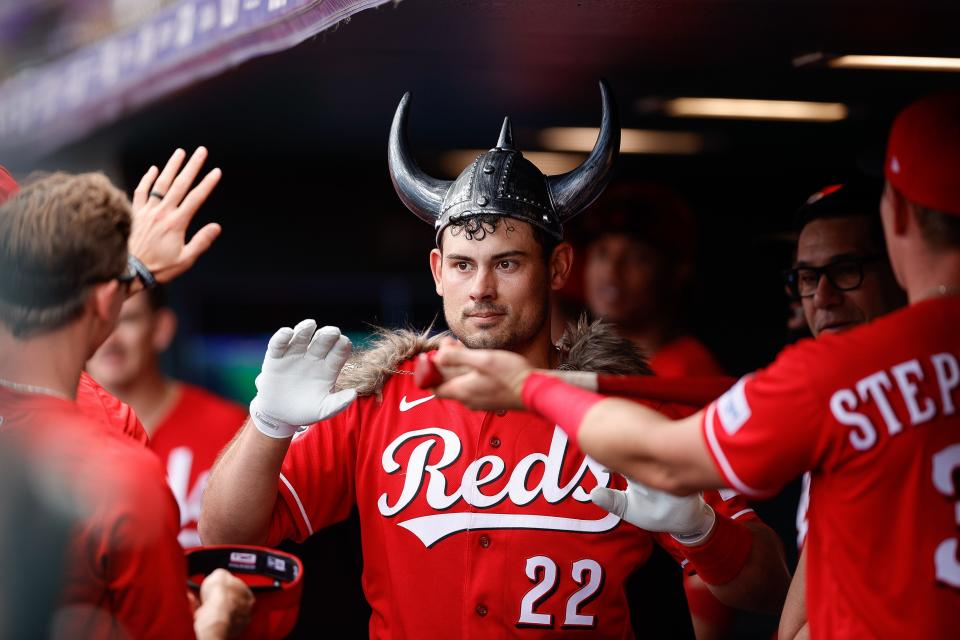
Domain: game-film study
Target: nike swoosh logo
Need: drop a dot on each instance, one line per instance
(406, 406)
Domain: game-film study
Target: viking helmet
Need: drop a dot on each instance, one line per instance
(501, 181)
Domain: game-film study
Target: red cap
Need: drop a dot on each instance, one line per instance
(923, 153)
(8, 186)
(275, 577)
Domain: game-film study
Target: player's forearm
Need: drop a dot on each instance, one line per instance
(242, 490)
(647, 446)
(803, 633)
(793, 621)
(763, 581)
(625, 436)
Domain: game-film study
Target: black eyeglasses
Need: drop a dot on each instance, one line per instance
(843, 275)
(129, 275)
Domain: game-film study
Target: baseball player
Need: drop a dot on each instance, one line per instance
(638, 264)
(639, 259)
(187, 425)
(841, 278)
(872, 413)
(64, 271)
(161, 251)
(474, 524)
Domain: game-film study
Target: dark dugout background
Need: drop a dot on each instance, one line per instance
(312, 227)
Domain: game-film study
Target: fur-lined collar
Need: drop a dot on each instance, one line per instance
(585, 346)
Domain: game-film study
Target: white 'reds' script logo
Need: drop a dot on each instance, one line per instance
(483, 471)
(179, 465)
(406, 406)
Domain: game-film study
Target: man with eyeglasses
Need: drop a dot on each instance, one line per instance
(842, 278)
(841, 274)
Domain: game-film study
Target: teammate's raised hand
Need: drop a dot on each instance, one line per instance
(295, 385)
(688, 518)
(163, 206)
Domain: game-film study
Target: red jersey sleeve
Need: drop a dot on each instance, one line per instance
(96, 402)
(767, 429)
(317, 480)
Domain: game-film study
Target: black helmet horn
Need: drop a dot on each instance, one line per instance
(501, 182)
(421, 193)
(574, 191)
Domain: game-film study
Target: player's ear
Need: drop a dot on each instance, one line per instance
(436, 267)
(560, 265)
(164, 328)
(900, 211)
(105, 301)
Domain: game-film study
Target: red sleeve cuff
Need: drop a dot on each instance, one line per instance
(721, 558)
(557, 401)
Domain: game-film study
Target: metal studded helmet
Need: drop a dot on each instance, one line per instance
(501, 182)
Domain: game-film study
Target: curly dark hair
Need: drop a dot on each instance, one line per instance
(478, 227)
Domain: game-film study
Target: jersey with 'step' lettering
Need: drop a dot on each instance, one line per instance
(873, 413)
(474, 524)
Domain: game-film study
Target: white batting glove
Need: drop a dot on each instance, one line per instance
(295, 385)
(688, 519)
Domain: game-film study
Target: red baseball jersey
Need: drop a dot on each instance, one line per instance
(188, 440)
(684, 356)
(97, 403)
(125, 574)
(474, 524)
(873, 415)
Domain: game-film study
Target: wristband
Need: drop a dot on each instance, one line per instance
(268, 425)
(557, 401)
(144, 274)
(720, 559)
(701, 532)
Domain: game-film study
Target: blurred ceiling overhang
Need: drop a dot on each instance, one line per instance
(171, 47)
(470, 62)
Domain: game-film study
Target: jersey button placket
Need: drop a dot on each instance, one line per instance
(481, 610)
(485, 541)
(494, 441)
